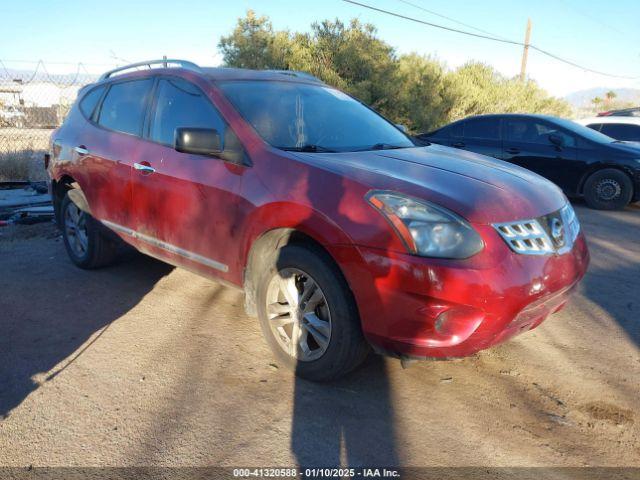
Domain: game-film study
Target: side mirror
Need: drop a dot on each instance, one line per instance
(402, 127)
(199, 141)
(557, 140)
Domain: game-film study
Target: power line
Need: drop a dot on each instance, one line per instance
(594, 19)
(488, 37)
(420, 7)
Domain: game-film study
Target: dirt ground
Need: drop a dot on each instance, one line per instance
(143, 364)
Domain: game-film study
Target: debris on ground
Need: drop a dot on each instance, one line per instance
(24, 203)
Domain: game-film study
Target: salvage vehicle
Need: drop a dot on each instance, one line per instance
(343, 232)
(580, 160)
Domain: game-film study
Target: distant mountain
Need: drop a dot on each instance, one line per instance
(582, 98)
(13, 76)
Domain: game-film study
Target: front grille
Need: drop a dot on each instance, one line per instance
(550, 234)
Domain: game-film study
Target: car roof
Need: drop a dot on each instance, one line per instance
(512, 115)
(612, 119)
(217, 74)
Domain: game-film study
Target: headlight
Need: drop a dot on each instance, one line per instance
(427, 229)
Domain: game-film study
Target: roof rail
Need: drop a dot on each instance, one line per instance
(165, 63)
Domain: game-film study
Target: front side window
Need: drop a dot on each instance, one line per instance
(482, 128)
(595, 126)
(182, 104)
(299, 116)
(622, 131)
(124, 107)
(526, 130)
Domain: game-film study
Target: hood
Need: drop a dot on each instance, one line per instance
(632, 148)
(480, 189)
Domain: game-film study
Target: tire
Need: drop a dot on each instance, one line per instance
(608, 189)
(330, 328)
(85, 243)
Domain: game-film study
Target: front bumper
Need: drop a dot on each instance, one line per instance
(417, 307)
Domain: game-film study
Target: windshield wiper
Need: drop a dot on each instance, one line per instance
(381, 146)
(308, 148)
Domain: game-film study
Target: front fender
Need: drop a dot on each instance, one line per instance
(287, 215)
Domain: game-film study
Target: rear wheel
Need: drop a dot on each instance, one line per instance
(608, 189)
(308, 314)
(84, 241)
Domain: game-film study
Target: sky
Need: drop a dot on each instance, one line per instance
(598, 35)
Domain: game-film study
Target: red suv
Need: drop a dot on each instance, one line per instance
(342, 231)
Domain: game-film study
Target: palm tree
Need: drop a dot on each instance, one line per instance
(608, 97)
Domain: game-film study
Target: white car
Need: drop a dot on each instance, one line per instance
(620, 128)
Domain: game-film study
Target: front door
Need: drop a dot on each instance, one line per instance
(526, 143)
(185, 205)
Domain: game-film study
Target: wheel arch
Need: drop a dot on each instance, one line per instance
(267, 243)
(59, 189)
(601, 167)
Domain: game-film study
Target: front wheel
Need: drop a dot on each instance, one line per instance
(84, 241)
(608, 189)
(308, 314)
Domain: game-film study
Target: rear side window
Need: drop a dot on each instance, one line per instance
(90, 101)
(622, 131)
(124, 107)
(595, 126)
(182, 104)
(482, 128)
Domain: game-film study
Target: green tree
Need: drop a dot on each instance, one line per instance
(414, 90)
(254, 44)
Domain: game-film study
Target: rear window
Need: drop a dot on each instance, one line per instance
(622, 131)
(454, 130)
(90, 101)
(482, 128)
(124, 107)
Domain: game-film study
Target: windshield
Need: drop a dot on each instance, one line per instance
(583, 131)
(313, 118)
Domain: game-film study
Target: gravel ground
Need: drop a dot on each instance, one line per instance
(142, 364)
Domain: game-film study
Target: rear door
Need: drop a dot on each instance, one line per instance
(185, 204)
(111, 145)
(526, 143)
(480, 135)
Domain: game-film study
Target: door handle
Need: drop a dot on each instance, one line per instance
(144, 168)
(458, 144)
(81, 150)
(513, 150)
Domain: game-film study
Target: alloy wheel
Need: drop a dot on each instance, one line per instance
(298, 314)
(75, 225)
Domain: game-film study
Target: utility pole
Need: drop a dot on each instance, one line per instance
(525, 52)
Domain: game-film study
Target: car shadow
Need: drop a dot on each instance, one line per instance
(615, 251)
(39, 338)
(349, 421)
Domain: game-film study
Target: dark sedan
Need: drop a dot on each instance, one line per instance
(581, 161)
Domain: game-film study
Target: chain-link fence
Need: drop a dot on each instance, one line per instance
(32, 103)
